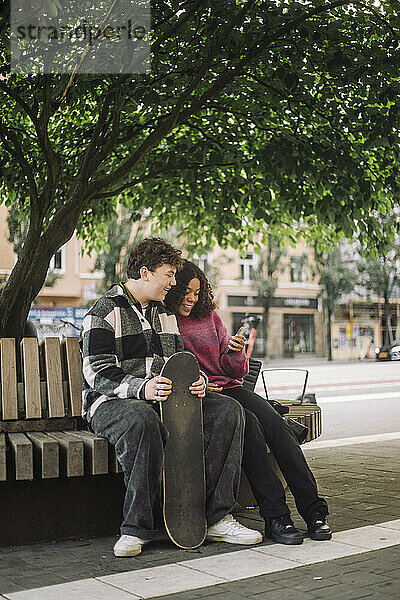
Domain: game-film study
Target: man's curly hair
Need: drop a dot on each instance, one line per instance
(204, 305)
(152, 252)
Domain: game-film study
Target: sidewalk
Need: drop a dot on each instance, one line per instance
(362, 484)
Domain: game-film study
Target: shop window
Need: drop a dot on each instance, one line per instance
(298, 331)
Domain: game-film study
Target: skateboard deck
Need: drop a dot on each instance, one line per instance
(183, 473)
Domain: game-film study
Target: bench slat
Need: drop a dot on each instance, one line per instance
(31, 372)
(55, 396)
(96, 452)
(3, 457)
(71, 453)
(73, 372)
(45, 455)
(22, 452)
(8, 366)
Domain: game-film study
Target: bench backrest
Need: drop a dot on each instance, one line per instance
(50, 383)
(250, 380)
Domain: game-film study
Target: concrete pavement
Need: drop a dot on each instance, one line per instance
(362, 484)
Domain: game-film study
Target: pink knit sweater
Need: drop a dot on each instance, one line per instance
(207, 338)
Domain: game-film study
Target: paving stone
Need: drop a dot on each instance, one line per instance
(244, 564)
(339, 592)
(280, 595)
(88, 589)
(149, 583)
(9, 586)
(259, 584)
(199, 593)
(388, 590)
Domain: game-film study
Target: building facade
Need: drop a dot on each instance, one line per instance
(295, 320)
(295, 317)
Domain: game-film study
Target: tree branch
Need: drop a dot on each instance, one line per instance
(83, 56)
(17, 151)
(176, 117)
(185, 17)
(15, 96)
(155, 174)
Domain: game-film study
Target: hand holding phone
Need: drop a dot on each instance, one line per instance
(239, 344)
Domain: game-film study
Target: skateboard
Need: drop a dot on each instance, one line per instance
(184, 492)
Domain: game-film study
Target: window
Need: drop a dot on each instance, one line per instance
(248, 266)
(202, 261)
(298, 270)
(57, 262)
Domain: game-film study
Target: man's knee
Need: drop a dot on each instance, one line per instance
(218, 407)
(143, 420)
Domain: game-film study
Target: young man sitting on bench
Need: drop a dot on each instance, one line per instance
(127, 336)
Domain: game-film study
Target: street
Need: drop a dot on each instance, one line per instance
(356, 398)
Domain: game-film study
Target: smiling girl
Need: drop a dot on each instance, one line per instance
(205, 335)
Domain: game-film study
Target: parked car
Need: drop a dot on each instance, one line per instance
(389, 352)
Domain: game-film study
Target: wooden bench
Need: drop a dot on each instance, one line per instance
(57, 479)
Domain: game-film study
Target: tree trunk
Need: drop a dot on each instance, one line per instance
(28, 276)
(21, 289)
(265, 325)
(328, 333)
(387, 334)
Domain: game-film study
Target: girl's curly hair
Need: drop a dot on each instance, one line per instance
(204, 305)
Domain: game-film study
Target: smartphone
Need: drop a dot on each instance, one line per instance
(241, 331)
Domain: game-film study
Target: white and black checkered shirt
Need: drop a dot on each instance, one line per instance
(122, 348)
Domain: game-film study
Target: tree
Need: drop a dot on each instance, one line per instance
(113, 261)
(254, 112)
(380, 272)
(266, 278)
(337, 279)
(17, 229)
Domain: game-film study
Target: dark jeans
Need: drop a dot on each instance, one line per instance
(135, 429)
(265, 425)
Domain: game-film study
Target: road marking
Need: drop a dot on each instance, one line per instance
(357, 397)
(205, 572)
(338, 383)
(349, 441)
(275, 392)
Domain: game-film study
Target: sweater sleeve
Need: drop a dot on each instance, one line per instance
(100, 364)
(235, 364)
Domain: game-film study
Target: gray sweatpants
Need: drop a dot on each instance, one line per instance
(135, 429)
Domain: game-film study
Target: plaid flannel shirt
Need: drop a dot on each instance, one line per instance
(122, 350)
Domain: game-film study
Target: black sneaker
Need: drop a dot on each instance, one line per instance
(317, 525)
(282, 530)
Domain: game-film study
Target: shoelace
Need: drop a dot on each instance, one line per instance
(233, 525)
(286, 522)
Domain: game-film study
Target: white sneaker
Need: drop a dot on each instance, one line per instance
(129, 545)
(229, 530)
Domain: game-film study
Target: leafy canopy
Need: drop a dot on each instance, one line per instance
(254, 112)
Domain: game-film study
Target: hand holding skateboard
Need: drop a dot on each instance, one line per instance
(214, 387)
(158, 388)
(198, 387)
